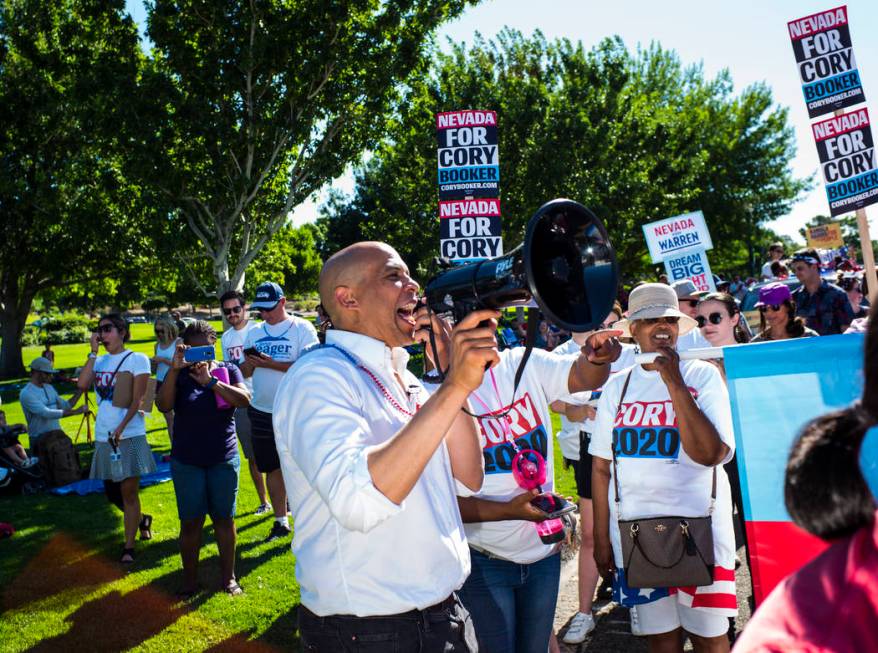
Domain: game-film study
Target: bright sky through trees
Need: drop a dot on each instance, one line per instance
(748, 37)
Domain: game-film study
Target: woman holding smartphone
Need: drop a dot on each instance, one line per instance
(204, 455)
(122, 453)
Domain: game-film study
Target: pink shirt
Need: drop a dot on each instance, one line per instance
(829, 605)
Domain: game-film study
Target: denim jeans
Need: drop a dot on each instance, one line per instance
(445, 627)
(512, 605)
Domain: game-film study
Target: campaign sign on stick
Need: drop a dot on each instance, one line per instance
(470, 229)
(775, 389)
(691, 264)
(674, 235)
(825, 236)
(847, 157)
(468, 160)
(827, 68)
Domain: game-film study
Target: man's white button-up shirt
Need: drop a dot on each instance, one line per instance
(356, 551)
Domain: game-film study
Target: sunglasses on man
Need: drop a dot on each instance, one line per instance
(691, 303)
(234, 310)
(713, 318)
(105, 328)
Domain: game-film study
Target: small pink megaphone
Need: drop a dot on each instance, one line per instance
(529, 469)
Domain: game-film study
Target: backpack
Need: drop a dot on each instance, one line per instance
(58, 459)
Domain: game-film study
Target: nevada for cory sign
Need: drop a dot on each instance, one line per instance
(847, 157)
(827, 67)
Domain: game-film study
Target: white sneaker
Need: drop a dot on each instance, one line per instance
(580, 627)
(264, 509)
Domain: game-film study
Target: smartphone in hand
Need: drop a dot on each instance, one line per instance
(552, 504)
(251, 351)
(199, 354)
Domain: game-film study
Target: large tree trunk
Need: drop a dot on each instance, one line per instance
(13, 316)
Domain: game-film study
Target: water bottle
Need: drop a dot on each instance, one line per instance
(221, 374)
(550, 530)
(116, 472)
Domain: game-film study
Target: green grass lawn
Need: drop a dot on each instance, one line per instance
(63, 589)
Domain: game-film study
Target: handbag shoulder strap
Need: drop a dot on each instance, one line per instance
(115, 372)
(616, 463)
(613, 444)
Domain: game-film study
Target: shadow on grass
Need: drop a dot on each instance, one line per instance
(117, 623)
(70, 566)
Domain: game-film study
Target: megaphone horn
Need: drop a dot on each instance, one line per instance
(566, 264)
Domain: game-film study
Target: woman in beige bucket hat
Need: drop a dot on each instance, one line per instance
(668, 425)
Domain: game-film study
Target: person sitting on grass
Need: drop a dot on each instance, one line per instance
(41, 404)
(9, 443)
(204, 452)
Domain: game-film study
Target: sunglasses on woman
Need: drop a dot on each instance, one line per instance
(713, 318)
(105, 328)
(160, 332)
(773, 307)
(234, 309)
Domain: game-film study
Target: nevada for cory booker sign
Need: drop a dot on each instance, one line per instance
(847, 158)
(827, 67)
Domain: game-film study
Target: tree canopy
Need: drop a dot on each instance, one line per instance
(246, 108)
(65, 206)
(636, 137)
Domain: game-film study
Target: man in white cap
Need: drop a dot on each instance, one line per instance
(688, 296)
(42, 405)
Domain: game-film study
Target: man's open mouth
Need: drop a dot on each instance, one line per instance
(407, 313)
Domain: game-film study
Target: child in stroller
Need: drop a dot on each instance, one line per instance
(18, 471)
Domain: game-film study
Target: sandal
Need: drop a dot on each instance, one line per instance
(145, 527)
(233, 589)
(127, 556)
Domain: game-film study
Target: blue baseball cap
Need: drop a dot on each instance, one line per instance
(268, 294)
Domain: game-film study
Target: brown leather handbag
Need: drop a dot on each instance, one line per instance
(667, 551)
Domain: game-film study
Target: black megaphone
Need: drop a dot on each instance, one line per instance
(566, 264)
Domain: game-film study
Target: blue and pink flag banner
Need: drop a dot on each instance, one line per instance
(776, 388)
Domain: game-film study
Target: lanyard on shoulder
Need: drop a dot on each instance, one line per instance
(388, 396)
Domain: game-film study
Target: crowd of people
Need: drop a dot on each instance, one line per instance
(424, 511)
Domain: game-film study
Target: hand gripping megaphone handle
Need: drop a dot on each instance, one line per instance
(707, 353)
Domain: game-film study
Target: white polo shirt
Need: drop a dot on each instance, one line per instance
(357, 552)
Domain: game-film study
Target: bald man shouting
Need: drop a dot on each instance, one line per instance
(373, 464)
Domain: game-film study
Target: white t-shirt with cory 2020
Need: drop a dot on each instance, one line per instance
(544, 381)
(656, 475)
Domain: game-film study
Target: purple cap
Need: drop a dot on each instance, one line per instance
(773, 293)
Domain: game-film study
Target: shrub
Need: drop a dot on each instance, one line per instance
(60, 329)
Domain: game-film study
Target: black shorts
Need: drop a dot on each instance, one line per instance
(582, 467)
(262, 436)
